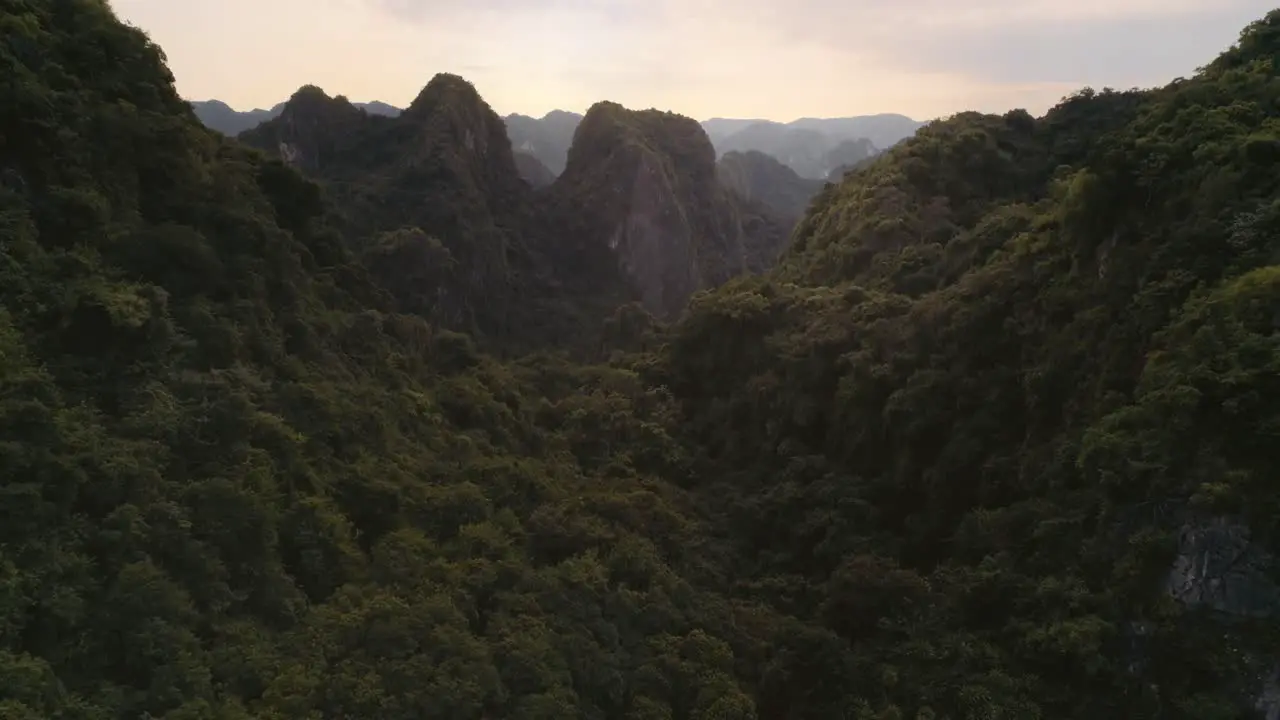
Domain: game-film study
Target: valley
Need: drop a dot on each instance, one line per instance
(349, 411)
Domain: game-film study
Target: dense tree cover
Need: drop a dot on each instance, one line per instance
(236, 485)
(445, 168)
(1009, 376)
(939, 464)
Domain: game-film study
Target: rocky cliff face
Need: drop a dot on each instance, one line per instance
(644, 184)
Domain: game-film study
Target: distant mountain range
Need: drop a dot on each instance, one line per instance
(229, 121)
(547, 138)
(815, 148)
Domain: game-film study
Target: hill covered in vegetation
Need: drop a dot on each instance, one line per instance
(219, 116)
(1004, 417)
(760, 178)
(638, 214)
(813, 147)
(995, 439)
(434, 204)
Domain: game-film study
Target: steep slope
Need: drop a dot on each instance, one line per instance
(233, 489)
(643, 183)
(1004, 420)
(883, 130)
(533, 171)
(444, 168)
(759, 177)
(547, 138)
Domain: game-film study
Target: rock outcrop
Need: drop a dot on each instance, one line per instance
(644, 183)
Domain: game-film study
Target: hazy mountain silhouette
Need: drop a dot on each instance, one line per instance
(228, 121)
(806, 145)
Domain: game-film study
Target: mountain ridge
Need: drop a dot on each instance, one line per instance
(450, 150)
(644, 182)
(548, 138)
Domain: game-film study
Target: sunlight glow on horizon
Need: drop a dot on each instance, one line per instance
(769, 59)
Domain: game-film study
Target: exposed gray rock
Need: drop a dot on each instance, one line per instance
(1219, 567)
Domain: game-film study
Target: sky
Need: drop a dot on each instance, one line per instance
(774, 59)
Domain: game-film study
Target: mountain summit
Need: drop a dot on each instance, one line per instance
(443, 169)
(644, 183)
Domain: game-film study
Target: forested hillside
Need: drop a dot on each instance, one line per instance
(996, 439)
(433, 204)
(1005, 419)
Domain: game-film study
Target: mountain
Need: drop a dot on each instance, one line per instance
(1003, 418)
(247, 489)
(883, 130)
(444, 168)
(815, 148)
(720, 128)
(641, 212)
(533, 171)
(547, 139)
(996, 438)
(804, 151)
(644, 183)
(219, 116)
(849, 154)
(812, 147)
(758, 177)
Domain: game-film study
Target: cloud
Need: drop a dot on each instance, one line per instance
(471, 11)
(758, 58)
(426, 10)
(1019, 50)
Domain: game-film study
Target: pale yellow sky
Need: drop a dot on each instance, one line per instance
(777, 59)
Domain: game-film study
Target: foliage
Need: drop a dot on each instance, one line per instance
(1006, 376)
(945, 462)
